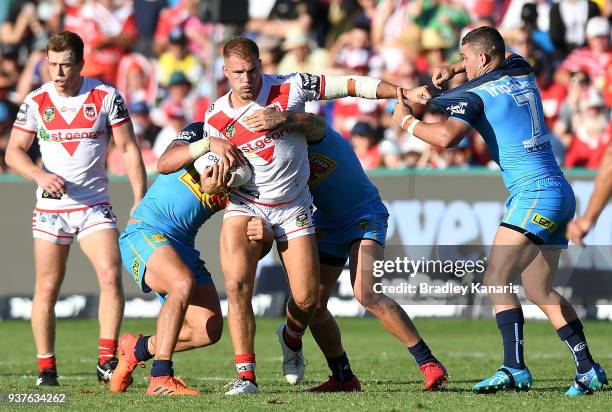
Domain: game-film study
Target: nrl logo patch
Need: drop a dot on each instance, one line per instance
(459, 108)
(230, 130)
(159, 238)
(49, 114)
(301, 220)
(363, 225)
(90, 112)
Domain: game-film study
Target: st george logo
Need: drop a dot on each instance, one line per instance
(49, 114)
(90, 112)
(230, 130)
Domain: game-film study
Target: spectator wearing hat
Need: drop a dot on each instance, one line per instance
(300, 56)
(568, 20)
(363, 139)
(137, 79)
(139, 112)
(593, 59)
(178, 58)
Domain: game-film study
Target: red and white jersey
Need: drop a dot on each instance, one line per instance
(73, 134)
(279, 157)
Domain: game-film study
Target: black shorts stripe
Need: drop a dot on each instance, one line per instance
(534, 239)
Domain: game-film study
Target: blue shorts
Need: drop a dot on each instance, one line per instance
(138, 242)
(334, 240)
(541, 211)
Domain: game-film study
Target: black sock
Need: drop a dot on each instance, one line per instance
(162, 368)
(422, 353)
(142, 350)
(510, 323)
(340, 368)
(573, 336)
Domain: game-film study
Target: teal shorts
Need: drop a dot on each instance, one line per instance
(334, 240)
(138, 242)
(541, 211)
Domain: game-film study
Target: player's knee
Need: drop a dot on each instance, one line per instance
(307, 303)
(368, 299)
(538, 297)
(109, 277)
(237, 288)
(47, 290)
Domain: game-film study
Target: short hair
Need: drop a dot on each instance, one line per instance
(241, 47)
(486, 39)
(67, 40)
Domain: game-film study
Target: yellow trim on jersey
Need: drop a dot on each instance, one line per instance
(149, 242)
(535, 202)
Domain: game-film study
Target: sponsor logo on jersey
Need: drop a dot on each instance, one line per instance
(89, 111)
(459, 108)
(211, 108)
(310, 82)
(580, 347)
(301, 220)
(49, 114)
(43, 134)
(47, 195)
(546, 223)
(320, 167)
(186, 135)
(230, 130)
(135, 269)
(158, 237)
(22, 114)
(536, 143)
(215, 202)
(65, 109)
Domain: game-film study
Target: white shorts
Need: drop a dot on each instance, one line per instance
(60, 227)
(289, 220)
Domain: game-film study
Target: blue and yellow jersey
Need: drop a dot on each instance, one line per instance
(338, 184)
(174, 203)
(505, 107)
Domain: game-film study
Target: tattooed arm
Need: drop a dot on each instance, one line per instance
(311, 125)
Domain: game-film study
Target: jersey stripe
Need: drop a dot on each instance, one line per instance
(279, 93)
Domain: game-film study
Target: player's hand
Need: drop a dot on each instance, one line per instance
(577, 229)
(417, 95)
(51, 183)
(228, 152)
(265, 119)
(259, 230)
(214, 180)
(401, 109)
(441, 74)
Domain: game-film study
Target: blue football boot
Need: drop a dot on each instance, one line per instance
(588, 382)
(505, 378)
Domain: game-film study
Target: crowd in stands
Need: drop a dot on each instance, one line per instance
(164, 57)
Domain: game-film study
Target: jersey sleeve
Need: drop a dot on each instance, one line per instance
(117, 110)
(191, 133)
(516, 61)
(461, 105)
(210, 130)
(26, 117)
(307, 87)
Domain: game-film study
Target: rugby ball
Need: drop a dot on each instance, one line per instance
(243, 173)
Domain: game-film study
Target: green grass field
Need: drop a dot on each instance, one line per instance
(391, 381)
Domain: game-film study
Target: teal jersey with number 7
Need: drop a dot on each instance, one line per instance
(505, 107)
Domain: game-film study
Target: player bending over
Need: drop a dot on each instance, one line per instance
(158, 249)
(501, 101)
(351, 221)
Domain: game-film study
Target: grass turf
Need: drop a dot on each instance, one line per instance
(471, 350)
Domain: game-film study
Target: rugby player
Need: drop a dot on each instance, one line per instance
(278, 193)
(73, 118)
(158, 249)
(502, 102)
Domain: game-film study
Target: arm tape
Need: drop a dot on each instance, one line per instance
(197, 149)
(342, 86)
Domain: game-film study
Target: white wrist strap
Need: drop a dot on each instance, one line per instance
(405, 119)
(412, 125)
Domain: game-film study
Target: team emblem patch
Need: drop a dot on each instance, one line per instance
(90, 112)
(320, 167)
(301, 220)
(230, 130)
(22, 115)
(363, 225)
(159, 237)
(49, 114)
